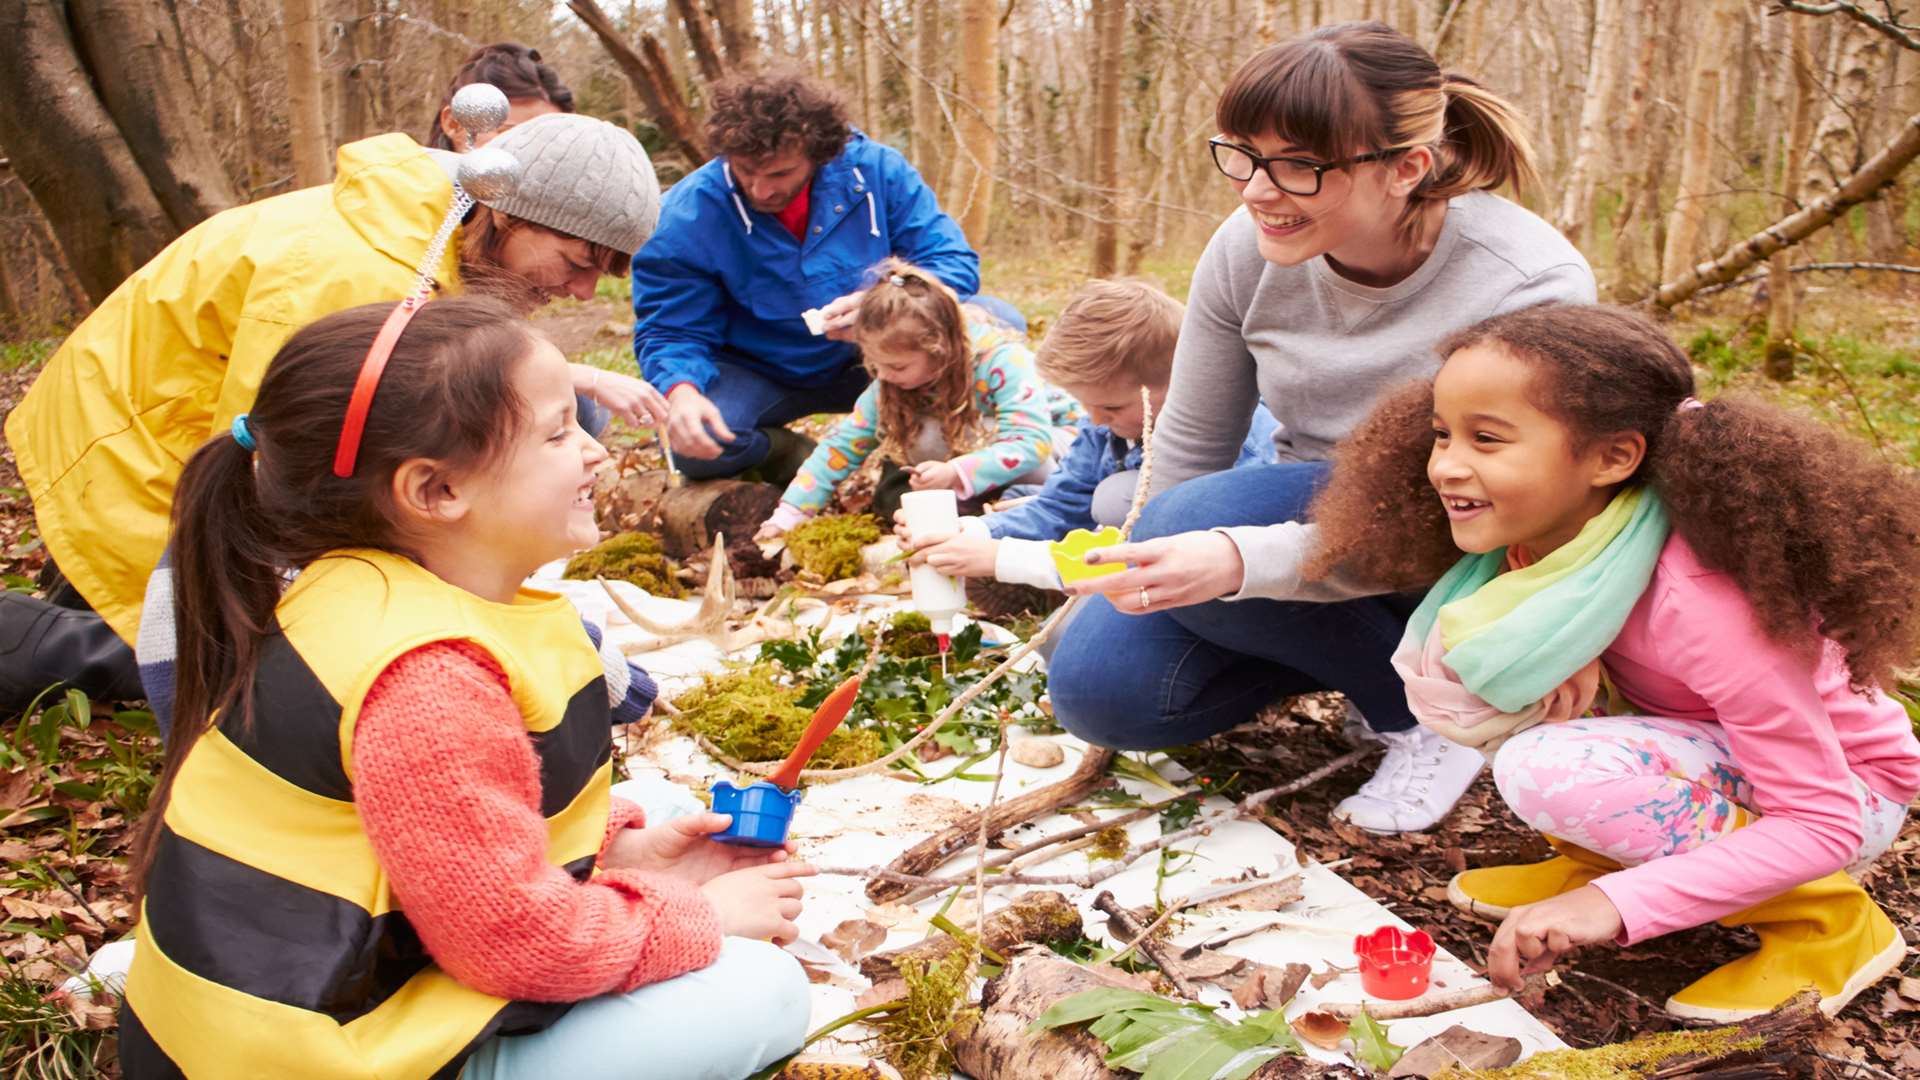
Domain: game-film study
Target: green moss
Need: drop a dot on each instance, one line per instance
(829, 547)
(910, 636)
(752, 716)
(1109, 843)
(1621, 1061)
(913, 1037)
(633, 557)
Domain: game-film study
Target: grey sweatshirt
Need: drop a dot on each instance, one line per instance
(1320, 350)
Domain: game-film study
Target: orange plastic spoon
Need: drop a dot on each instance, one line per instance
(826, 719)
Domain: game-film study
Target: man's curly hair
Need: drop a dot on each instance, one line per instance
(1822, 536)
(752, 116)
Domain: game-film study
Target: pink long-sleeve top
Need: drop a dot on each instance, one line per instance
(447, 785)
(1693, 649)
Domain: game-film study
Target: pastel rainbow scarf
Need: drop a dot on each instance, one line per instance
(1498, 646)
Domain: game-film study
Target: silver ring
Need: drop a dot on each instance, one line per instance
(1144, 602)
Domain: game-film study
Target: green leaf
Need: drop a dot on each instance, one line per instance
(1088, 1004)
(1196, 1056)
(1123, 765)
(1370, 1043)
(79, 709)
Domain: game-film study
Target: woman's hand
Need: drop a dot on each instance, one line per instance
(631, 399)
(1171, 572)
(961, 555)
(1533, 936)
(935, 476)
(682, 848)
(760, 901)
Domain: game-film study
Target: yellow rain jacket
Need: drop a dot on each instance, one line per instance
(180, 347)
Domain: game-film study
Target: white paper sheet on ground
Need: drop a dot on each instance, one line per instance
(869, 820)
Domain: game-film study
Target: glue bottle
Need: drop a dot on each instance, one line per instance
(936, 595)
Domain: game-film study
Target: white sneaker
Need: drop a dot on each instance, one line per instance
(1422, 775)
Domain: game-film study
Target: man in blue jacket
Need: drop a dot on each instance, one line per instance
(784, 221)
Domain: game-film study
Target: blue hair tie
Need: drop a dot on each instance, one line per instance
(243, 434)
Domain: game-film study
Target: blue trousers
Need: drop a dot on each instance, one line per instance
(750, 400)
(1143, 682)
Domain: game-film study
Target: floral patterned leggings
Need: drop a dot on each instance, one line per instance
(1634, 788)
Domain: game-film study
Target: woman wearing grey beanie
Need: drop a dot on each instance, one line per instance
(178, 350)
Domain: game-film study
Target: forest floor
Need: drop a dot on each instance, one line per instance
(74, 773)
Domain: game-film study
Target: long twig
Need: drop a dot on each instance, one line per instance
(1900, 32)
(1435, 1004)
(1807, 268)
(1143, 938)
(1095, 876)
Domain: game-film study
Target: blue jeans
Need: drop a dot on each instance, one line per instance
(749, 400)
(725, 1021)
(1143, 682)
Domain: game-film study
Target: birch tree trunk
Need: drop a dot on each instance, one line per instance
(923, 94)
(1838, 138)
(1577, 207)
(1697, 144)
(306, 118)
(978, 153)
(1110, 22)
(1793, 156)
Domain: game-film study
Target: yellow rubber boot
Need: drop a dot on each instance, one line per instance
(1827, 934)
(1491, 892)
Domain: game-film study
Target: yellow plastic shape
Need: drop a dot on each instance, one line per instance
(1070, 554)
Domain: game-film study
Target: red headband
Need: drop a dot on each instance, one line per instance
(363, 387)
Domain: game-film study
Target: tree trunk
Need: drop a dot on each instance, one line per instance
(1838, 138)
(1635, 181)
(1698, 158)
(1110, 23)
(306, 119)
(650, 76)
(979, 149)
(686, 517)
(923, 100)
(1788, 231)
(735, 18)
(700, 38)
(1577, 209)
(1886, 216)
(143, 84)
(998, 1045)
(66, 149)
(1780, 294)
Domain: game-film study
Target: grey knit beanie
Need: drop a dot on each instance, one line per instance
(582, 176)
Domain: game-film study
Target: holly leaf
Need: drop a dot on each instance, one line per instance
(1370, 1043)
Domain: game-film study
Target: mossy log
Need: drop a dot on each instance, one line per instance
(1035, 918)
(998, 1046)
(929, 854)
(686, 517)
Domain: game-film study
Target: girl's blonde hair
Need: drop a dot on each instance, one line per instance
(909, 310)
(1358, 87)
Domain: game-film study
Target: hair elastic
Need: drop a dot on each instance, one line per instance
(1689, 403)
(897, 280)
(243, 434)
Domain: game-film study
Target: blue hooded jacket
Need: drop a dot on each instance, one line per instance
(720, 277)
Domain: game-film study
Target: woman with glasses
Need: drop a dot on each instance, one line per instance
(1369, 231)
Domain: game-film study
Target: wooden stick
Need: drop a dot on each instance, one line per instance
(1435, 1004)
(1156, 951)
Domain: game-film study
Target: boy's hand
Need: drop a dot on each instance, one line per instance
(935, 475)
(760, 901)
(1533, 936)
(682, 848)
(962, 555)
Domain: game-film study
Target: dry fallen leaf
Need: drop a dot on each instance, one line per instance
(1269, 987)
(882, 992)
(1321, 978)
(1322, 1029)
(1460, 1047)
(1212, 966)
(1037, 753)
(854, 938)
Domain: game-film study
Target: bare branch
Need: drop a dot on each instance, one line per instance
(1890, 25)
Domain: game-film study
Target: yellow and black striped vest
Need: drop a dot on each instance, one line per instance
(269, 943)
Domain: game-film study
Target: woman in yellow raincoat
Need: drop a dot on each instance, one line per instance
(179, 348)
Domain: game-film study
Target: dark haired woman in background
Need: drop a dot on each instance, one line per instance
(532, 89)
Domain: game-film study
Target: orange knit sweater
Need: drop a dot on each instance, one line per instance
(448, 788)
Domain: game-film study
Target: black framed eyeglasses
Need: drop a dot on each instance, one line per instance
(1293, 175)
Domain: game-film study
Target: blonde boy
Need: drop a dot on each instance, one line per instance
(1114, 339)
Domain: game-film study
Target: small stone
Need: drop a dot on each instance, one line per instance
(1037, 753)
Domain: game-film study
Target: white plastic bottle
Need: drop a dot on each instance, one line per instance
(936, 595)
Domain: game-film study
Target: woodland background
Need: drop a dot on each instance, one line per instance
(1068, 138)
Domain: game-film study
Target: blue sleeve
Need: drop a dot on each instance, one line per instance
(922, 233)
(677, 305)
(1259, 448)
(1065, 502)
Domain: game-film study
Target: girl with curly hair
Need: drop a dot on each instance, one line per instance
(1669, 627)
(955, 403)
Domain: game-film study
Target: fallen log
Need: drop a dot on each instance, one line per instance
(686, 517)
(998, 1046)
(930, 853)
(1035, 918)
